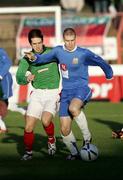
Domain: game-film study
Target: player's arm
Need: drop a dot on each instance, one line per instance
(42, 58)
(6, 63)
(95, 60)
(21, 74)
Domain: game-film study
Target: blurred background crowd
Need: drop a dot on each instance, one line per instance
(92, 19)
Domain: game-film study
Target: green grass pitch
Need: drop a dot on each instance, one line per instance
(102, 118)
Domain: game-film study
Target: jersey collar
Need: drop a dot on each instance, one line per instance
(68, 50)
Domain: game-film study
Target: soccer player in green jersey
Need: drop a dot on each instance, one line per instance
(43, 99)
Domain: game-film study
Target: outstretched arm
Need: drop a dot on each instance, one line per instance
(42, 58)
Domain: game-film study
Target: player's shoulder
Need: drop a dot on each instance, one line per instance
(47, 49)
(82, 49)
(59, 47)
(85, 50)
(56, 49)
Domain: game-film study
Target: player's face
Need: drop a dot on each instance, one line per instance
(70, 42)
(37, 44)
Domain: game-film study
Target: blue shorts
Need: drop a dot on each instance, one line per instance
(83, 94)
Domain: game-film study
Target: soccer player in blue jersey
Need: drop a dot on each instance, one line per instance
(5, 87)
(74, 62)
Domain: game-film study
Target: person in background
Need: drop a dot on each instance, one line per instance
(72, 5)
(5, 87)
(43, 99)
(74, 62)
(117, 134)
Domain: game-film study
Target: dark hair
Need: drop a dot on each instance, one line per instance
(35, 33)
(69, 31)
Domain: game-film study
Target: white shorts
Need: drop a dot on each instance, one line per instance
(42, 100)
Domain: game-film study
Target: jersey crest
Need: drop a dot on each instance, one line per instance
(75, 61)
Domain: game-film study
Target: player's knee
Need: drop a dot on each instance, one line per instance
(73, 110)
(29, 128)
(46, 121)
(65, 131)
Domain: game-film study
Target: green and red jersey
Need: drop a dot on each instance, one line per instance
(46, 76)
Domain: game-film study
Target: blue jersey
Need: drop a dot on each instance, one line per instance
(5, 76)
(74, 65)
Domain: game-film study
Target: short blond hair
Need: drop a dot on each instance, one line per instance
(69, 31)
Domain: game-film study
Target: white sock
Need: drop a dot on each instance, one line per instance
(14, 107)
(83, 125)
(70, 142)
(20, 110)
(2, 125)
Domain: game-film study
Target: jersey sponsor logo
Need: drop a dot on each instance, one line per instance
(42, 70)
(75, 61)
(64, 71)
(65, 74)
(63, 67)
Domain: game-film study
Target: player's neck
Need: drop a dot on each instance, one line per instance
(68, 49)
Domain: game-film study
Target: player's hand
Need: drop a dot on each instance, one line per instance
(110, 78)
(30, 77)
(30, 56)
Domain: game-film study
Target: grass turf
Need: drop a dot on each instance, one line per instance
(102, 118)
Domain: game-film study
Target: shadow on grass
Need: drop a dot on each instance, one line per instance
(111, 124)
(39, 146)
(53, 168)
(44, 167)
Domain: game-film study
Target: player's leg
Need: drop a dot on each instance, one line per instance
(80, 118)
(81, 96)
(3, 128)
(48, 125)
(14, 107)
(33, 113)
(49, 111)
(117, 133)
(69, 138)
(29, 137)
(3, 113)
(65, 126)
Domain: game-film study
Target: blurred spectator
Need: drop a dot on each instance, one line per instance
(112, 9)
(49, 3)
(119, 5)
(101, 6)
(72, 5)
(119, 8)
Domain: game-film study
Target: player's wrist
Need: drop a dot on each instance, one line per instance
(33, 58)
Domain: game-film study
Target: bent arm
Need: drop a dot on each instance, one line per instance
(95, 60)
(21, 72)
